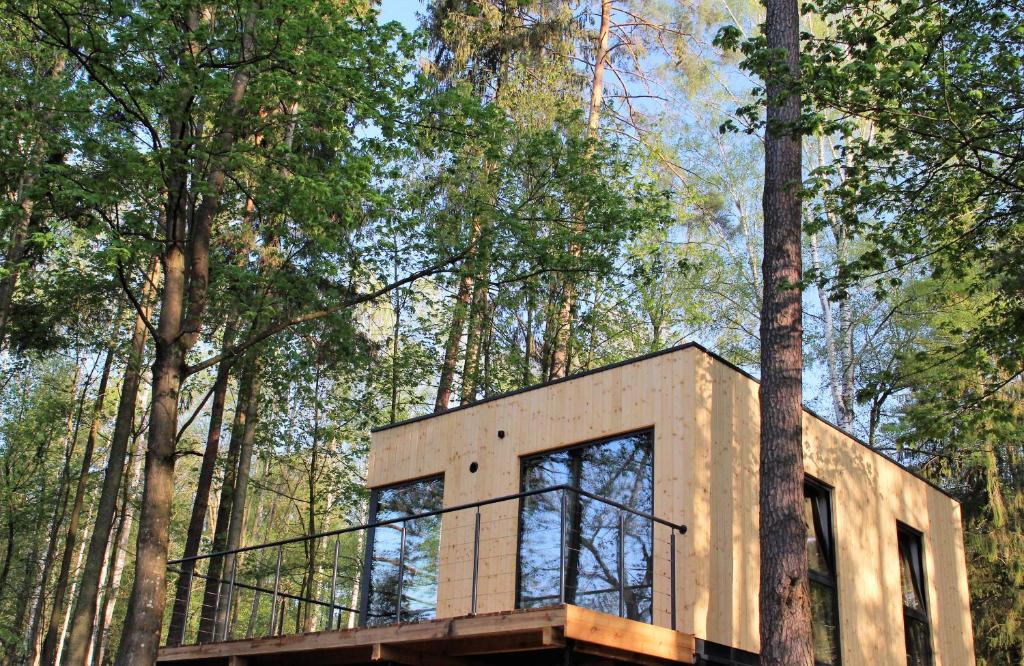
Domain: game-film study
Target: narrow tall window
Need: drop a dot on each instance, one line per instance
(409, 572)
(915, 608)
(607, 564)
(821, 573)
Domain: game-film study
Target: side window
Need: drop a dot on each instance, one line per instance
(915, 607)
(821, 573)
(403, 555)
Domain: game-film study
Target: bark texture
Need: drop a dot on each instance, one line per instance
(84, 614)
(201, 503)
(785, 620)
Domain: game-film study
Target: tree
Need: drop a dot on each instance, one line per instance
(784, 603)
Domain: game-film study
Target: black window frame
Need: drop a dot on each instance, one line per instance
(820, 494)
(368, 546)
(647, 431)
(910, 537)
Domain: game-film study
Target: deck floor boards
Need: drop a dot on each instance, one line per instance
(534, 636)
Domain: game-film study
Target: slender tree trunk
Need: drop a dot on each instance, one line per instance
(49, 654)
(118, 555)
(59, 513)
(784, 605)
(201, 503)
(560, 344)
(241, 488)
(215, 565)
(84, 614)
(24, 203)
(67, 612)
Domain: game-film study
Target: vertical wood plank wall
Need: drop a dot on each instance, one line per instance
(705, 419)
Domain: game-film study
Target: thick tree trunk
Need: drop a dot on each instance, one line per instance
(460, 312)
(49, 653)
(474, 337)
(181, 318)
(454, 343)
(84, 614)
(202, 500)
(785, 622)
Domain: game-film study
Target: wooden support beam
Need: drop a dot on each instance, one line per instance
(408, 657)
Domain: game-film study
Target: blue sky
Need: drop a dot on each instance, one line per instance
(403, 11)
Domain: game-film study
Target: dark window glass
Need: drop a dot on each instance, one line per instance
(619, 469)
(915, 607)
(418, 560)
(821, 572)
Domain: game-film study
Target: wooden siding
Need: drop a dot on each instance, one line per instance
(705, 419)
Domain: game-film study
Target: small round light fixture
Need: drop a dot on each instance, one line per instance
(473, 467)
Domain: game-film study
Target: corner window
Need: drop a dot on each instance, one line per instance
(403, 556)
(915, 608)
(607, 564)
(821, 573)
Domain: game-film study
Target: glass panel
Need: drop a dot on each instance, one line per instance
(825, 624)
(919, 649)
(909, 568)
(816, 559)
(621, 470)
(422, 541)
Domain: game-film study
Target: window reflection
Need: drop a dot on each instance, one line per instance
(821, 573)
(915, 610)
(619, 469)
(417, 562)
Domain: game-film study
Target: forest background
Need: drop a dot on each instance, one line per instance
(239, 235)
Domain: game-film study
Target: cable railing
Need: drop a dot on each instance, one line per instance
(338, 579)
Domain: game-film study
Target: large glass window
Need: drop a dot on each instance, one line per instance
(410, 570)
(607, 564)
(821, 573)
(915, 608)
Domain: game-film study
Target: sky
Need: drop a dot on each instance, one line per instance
(403, 11)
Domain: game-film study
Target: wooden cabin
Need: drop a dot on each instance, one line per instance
(512, 563)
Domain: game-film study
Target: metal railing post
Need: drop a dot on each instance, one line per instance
(622, 563)
(334, 585)
(231, 595)
(561, 548)
(277, 585)
(672, 576)
(401, 576)
(476, 560)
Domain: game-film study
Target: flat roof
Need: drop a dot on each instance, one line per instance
(645, 357)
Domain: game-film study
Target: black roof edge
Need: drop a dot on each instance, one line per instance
(645, 357)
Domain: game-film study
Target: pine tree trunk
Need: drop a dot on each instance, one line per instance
(201, 503)
(785, 623)
(84, 614)
(49, 653)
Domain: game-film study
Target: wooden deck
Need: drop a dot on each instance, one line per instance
(555, 635)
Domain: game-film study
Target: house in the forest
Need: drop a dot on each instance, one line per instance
(609, 517)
